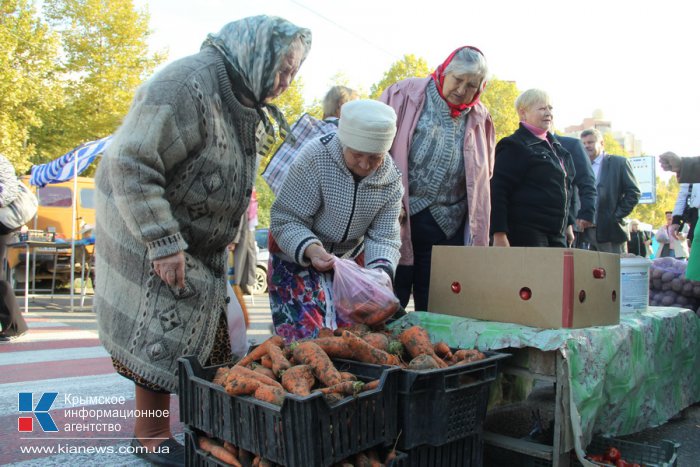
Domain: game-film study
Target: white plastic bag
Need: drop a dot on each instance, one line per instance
(236, 324)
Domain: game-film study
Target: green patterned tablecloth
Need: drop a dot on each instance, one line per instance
(623, 378)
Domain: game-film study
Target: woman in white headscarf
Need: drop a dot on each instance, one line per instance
(171, 190)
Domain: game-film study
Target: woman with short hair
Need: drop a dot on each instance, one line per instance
(531, 184)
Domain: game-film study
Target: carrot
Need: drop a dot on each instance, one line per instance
(374, 384)
(231, 448)
(241, 385)
(364, 352)
(443, 350)
(357, 328)
(347, 388)
(271, 394)
(256, 462)
(467, 356)
(279, 361)
(258, 368)
(237, 371)
(218, 451)
(265, 463)
(266, 361)
(261, 350)
(377, 340)
(299, 380)
(335, 347)
(423, 362)
(417, 341)
(374, 458)
(309, 353)
(325, 332)
(220, 376)
(345, 376)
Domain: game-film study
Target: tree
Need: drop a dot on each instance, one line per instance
(499, 97)
(408, 67)
(28, 84)
(666, 193)
(105, 58)
(612, 146)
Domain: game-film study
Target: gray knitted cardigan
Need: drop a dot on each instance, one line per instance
(320, 202)
(177, 177)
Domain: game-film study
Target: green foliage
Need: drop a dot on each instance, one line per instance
(499, 97)
(105, 58)
(612, 146)
(408, 67)
(666, 194)
(28, 82)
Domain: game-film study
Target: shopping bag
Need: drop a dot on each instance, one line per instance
(362, 295)
(20, 211)
(236, 324)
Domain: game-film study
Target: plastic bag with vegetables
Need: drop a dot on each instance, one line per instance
(362, 295)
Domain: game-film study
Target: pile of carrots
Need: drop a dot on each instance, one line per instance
(274, 369)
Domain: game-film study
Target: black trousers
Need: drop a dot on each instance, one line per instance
(520, 235)
(425, 233)
(10, 314)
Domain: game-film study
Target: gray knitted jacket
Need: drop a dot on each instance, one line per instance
(320, 202)
(177, 177)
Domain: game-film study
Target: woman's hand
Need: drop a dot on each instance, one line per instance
(171, 269)
(670, 161)
(569, 234)
(320, 259)
(500, 239)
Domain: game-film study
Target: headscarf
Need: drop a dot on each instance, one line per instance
(439, 78)
(253, 49)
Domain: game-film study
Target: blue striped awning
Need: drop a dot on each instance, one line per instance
(63, 168)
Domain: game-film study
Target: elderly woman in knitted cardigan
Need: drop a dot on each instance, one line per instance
(444, 149)
(171, 190)
(341, 198)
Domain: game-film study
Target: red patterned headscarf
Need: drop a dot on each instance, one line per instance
(439, 78)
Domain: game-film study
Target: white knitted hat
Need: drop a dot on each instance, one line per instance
(367, 126)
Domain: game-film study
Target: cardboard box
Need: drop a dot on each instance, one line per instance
(540, 287)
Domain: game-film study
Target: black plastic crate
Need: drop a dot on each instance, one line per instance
(305, 431)
(196, 457)
(664, 453)
(465, 452)
(446, 404)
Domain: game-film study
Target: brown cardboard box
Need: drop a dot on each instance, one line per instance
(539, 287)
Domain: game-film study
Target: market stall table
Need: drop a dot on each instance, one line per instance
(614, 380)
(53, 248)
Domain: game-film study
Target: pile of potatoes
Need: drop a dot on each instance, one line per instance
(669, 287)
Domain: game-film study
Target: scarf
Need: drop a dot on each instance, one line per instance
(439, 78)
(253, 49)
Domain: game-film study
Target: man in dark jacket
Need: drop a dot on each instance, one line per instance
(584, 193)
(618, 194)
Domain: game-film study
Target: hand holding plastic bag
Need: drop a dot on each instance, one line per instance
(362, 295)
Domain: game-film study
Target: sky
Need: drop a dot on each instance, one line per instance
(634, 60)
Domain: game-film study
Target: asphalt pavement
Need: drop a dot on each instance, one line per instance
(62, 354)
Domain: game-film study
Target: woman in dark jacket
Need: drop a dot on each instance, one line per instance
(531, 184)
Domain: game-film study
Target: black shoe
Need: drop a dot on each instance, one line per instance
(11, 337)
(174, 457)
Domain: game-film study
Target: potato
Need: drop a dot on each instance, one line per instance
(667, 301)
(668, 276)
(677, 284)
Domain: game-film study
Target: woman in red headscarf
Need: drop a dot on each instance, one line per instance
(444, 148)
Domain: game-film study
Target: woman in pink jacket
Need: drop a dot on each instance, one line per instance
(444, 148)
